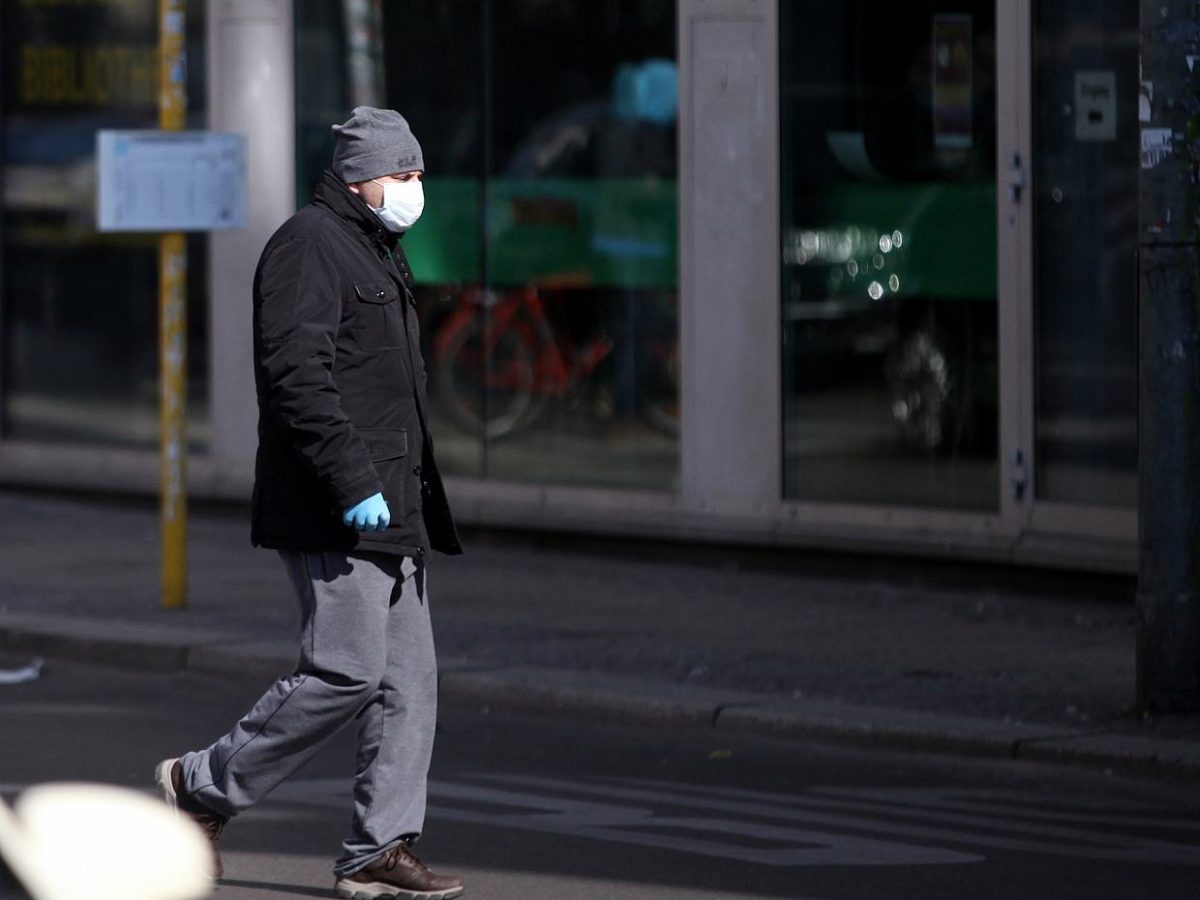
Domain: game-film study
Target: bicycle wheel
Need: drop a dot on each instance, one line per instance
(660, 387)
(471, 380)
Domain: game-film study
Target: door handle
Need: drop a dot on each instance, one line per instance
(1016, 178)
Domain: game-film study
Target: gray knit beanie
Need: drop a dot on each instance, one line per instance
(373, 143)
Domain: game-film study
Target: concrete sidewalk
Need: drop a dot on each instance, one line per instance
(899, 655)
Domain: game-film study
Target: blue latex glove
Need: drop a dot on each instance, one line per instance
(371, 514)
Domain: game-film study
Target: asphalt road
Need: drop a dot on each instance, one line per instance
(531, 807)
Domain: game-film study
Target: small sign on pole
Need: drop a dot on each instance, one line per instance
(170, 180)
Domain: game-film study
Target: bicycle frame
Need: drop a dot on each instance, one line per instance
(558, 366)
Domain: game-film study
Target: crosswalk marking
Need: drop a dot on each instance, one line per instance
(889, 817)
(820, 826)
(644, 826)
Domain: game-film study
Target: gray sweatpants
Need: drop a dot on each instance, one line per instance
(366, 655)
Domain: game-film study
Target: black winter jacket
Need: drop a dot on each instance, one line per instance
(341, 387)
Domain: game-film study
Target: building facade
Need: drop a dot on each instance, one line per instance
(856, 276)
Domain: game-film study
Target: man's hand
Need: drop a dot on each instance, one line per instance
(371, 514)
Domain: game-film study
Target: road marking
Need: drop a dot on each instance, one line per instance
(1027, 804)
(821, 826)
(722, 836)
(1002, 820)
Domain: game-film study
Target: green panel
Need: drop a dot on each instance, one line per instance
(948, 231)
(566, 231)
(623, 232)
(444, 244)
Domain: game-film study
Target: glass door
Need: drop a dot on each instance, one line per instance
(1083, 118)
(890, 299)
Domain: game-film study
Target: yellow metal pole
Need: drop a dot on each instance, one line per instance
(172, 325)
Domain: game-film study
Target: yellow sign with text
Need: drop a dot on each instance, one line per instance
(135, 5)
(112, 75)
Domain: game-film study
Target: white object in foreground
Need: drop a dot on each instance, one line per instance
(79, 841)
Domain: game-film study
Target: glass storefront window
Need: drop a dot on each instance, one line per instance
(1085, 225)
(547, 253)
(79, 308)
(888, 184)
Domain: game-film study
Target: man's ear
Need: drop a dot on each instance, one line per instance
(355, 188)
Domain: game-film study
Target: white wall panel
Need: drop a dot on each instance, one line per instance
(729, 227)
(251, 90)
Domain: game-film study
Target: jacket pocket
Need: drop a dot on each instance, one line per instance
(388, 449)
(385, 443)
(379, 315)
(377, 291)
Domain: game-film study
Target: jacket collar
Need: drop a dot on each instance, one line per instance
(333, 194)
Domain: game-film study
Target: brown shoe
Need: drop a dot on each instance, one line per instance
(169, 776)
(398, 873)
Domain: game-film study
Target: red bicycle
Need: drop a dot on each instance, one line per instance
(499, 360)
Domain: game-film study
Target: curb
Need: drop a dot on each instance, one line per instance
(626, 700)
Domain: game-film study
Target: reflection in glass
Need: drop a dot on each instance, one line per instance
(80, 328)
(546, 256)
(1085, 221)
(889, 253)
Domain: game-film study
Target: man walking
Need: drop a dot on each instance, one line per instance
(347, 491)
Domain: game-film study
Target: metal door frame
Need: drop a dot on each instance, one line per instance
(1000, 528)
(1114, 524)
(1014, 230)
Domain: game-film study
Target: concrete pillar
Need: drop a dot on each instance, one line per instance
(250, 90)
(1168, 646)
(729, 255)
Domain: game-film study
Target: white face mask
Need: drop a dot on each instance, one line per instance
(402, 204)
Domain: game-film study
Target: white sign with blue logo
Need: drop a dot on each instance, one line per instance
(170, 180)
